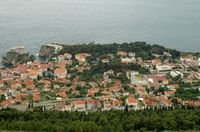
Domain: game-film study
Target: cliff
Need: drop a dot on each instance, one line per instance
(47, 51)
(16, 56)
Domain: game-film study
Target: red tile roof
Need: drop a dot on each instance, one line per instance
(117, 102)
(132, 100)
(93, 101)
(79, 102)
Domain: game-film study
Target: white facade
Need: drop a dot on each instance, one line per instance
(199, 61)
(176, 73)
(163, 68)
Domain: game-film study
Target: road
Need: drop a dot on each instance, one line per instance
(49, 103)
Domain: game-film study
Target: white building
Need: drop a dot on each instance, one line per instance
(163, 69)
(136, 78)
(128, 60)
(131, 54)
(56, 47)
(176, 73)
(199, 61)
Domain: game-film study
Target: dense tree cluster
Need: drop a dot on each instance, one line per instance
(142, 49)
(96, 71)
(188, 91)
(148, 120)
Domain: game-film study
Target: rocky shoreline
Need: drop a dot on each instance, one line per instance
(19, 55)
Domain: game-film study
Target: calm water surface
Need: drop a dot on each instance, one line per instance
(172, 23)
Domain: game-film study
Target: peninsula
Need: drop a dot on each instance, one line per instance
(91, 77)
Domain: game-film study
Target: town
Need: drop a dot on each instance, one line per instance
(117, 80)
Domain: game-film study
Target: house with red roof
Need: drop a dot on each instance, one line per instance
(14, 100)
(24, 73)
(174, 86)
(47, 83)
(60, 73)
(61, 65)
(3, 92)
(107, 106)
(79, 105)
(23, 90)
(150, 103)
(25, 102)
(21, 95)
(105, 97)
(1, 83)
(36, 97)
(33, 74)
(92, 91)
(30, 85)
(62, 95)
(14, 84)
(93, 104)
(197, 103)
(156, 62)
(5, 103)
(132, 103)
(122, 53)
(117, 104)
(61, 106)
(169, 93)
(68, 107)
(167, 103)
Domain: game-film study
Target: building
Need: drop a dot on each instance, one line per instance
(176, 74)
(122, 53)
(68, 56)
(136, 78)
(105, 60)
(56, 47)
(60, 73)
(93, 104)
(117, 105)
(106, 78)
(82, 57)
(1, 83)
(20, 50)
(198, 61)
(156, 79)
(79, 105)
(132, 103)
(131, 54)
(128, 60)
(92, 91)
(163, 69)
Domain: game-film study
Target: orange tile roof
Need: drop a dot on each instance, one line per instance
(5, 103)
(117, 102)
(36, 97)
(151, 102)
(62, 94)
(67, 54)
(60, 70)
(79, 102)
(93, 101)
(176, 86)
(3, 91)
(170, 92)
(132, 100)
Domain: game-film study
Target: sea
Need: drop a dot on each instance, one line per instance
(32, 23)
